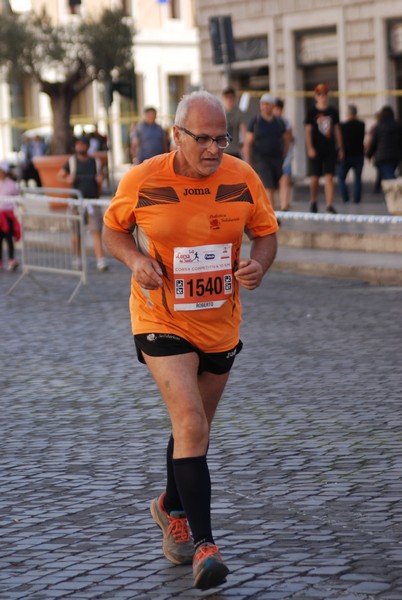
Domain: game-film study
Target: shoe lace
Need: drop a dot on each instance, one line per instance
(178, 528)
(206, 550)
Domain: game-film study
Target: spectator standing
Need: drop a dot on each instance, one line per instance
(324, 146)
(29, 149)
(385, 146)
(97, 142)
(177, 222)
(377, 182)
(353, 133)
(285, 182)
(266, 144)
(148, 138)
(84, 173)
(9, 225)
(236, 123)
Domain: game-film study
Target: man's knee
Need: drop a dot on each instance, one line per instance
(191, 428)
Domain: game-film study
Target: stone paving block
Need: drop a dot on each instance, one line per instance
(370, 587)
(305, 450)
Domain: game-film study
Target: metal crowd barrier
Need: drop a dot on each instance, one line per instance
(50, 219)
(339, 218)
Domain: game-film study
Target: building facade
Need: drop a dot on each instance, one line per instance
(167, 65)
(288, 47)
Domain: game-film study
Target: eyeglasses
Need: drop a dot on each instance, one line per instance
(206, 141)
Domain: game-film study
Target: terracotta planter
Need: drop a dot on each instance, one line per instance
(48, 167)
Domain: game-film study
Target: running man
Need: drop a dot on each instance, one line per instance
(186, 314)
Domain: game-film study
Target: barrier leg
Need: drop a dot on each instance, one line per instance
(75, 291)
(12, 288)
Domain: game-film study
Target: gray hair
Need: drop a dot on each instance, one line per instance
(188, 100)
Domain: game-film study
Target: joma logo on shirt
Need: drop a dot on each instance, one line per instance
(196, 191)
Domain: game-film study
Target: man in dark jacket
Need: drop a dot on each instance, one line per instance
(353, 131)
(386, 144)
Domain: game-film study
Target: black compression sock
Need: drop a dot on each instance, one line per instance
(172, 499)
(194, 485)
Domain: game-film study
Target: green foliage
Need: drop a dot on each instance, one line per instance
(64, 59)
(30, 44)
(108, 43)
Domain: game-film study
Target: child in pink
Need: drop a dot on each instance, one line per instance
(9, 225)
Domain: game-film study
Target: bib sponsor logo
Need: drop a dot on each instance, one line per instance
(187, 257)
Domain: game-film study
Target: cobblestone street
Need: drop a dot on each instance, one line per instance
(305, 456)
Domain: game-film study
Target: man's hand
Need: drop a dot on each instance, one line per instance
(249, 274)
(147, 273)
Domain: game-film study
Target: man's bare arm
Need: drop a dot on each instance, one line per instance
(308, 131)
(262, 255)
(146, 271)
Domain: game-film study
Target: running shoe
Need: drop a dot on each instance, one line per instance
(12, 264)
(209, 570)
(101, 264)
(177, 545)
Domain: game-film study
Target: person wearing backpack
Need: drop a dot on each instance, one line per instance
(84, 173)
(266, 144)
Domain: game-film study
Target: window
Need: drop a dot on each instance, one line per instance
(177, 88)
(174, 9)
(74, 6)
(395, 38)
(316, 48)
(251, 48)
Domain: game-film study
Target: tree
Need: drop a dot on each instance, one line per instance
(65, 59)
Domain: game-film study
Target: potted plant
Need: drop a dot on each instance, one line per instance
(64, 59)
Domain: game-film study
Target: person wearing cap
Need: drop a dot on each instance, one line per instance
(324, 146)
(9, 225)
(266, 144)
(84, 173)
(236, 123)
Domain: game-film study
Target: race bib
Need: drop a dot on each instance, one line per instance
(202, 276)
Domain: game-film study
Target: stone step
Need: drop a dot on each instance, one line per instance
(326, 240)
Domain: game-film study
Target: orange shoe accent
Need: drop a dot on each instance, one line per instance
(177, 543)
(206, 550)
(209, 570)
(178, 529)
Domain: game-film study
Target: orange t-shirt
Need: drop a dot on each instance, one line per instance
(194, 229)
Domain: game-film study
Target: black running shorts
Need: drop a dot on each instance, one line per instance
(169, 344)
(322, 165)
